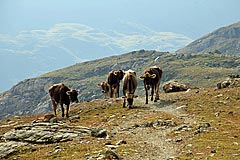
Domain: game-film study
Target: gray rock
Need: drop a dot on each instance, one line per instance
(8, 148)
(174, 86)
(100, 133)
(110, 154)
(232, 80)
(50, 133)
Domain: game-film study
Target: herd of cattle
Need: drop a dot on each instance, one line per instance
(60, 93)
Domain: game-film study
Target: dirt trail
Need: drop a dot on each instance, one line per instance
(153, 143)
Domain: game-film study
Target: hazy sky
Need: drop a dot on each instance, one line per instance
(193, 18)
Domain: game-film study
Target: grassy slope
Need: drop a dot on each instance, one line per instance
(220, 108)
(225, 40)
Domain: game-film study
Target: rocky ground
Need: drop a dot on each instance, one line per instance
(102, 129)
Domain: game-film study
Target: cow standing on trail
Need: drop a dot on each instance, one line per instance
(114, 78)
(129, 86)
(151, 79)
(60, 93)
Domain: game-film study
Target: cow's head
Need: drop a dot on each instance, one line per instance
(73, 95)
(119, 73)
(104, 86)
(147, 79)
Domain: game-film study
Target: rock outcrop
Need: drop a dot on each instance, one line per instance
(174, 86)
(231, 81)
(44, 133)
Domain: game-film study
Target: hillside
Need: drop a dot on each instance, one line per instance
(198, 124)
(31, 95)
(225, 40)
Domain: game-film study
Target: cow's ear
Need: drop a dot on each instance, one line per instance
(153, 76)
(68, 93)
(124, 97)
(142, 77)
(99, 84)
(135, 96)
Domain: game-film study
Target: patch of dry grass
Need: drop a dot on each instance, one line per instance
(221, 109)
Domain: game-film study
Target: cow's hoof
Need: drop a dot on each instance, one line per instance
(130, 107)
(146, 103)
(155, 100)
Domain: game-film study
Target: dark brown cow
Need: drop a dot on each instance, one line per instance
(151, 79)
(114, 78)
(105, 88)
(129, 86)
(60, 93)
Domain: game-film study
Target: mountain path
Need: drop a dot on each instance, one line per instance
(154, 143)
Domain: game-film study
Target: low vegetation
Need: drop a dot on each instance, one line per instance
(198, 124)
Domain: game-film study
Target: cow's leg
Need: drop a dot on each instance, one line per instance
(62, 108)
(111, 91)
(54, 107)
(157, 92)
(152, 92)
(124, 102)
(146, 95)
(67, 111)
(117, 93)
(124, 98)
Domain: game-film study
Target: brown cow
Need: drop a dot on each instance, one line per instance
(114, 78)
(129, 87)
(60, 93)
(151, 79)
(105, 88)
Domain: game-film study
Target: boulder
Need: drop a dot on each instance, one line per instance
(174, 86)
(231, 81)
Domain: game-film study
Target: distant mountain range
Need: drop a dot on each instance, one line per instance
(225, 40)
(32, 53)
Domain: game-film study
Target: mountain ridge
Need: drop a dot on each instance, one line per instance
(225, 40)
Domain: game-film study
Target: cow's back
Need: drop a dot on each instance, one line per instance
(112, 79)
(158, 71)
(58, 92)
(130, 82)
